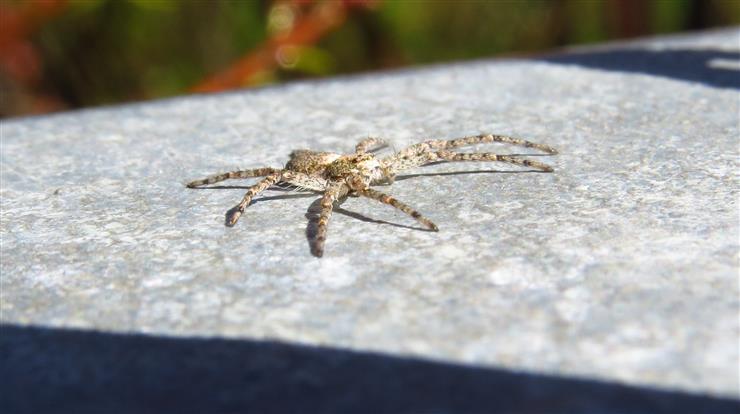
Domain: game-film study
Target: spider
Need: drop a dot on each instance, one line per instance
(340, 175)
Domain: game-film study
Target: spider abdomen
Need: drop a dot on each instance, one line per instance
(310, 162)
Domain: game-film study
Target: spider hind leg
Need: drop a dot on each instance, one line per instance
(386, 199)
(488, 156)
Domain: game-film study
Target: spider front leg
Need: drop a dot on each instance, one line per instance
(257, 172)
(487, 139)
(332, 194)
(232, 216)
(386, 199)
(370, 144)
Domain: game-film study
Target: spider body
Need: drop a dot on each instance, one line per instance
(358, 171)
(340, 175)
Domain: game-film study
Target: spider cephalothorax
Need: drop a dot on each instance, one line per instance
(337, 175)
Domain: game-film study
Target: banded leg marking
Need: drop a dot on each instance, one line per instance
(370, 143)
(489, 138)
(257, 172)
(488, 156)
(417, 154)
(327, 206)
(386, 199)
(232, 216)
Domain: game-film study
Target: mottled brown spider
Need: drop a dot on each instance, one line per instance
(338, 176)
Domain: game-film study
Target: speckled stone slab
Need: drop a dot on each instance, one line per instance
(622, 265)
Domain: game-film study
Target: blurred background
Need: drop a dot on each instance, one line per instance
(64, 54)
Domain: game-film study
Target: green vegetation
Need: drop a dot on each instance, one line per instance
(92, 52)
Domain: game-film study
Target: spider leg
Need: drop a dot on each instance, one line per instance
(386, 199)
(418, 154)
(487, 156)
(257, 172)
(489, 138)
(370, 144)
(332, 194)
(233, 215)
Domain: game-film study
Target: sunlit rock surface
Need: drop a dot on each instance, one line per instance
(620, 266)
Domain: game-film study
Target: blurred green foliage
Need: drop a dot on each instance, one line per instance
(105, 51)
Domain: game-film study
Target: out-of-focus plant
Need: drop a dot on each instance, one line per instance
(292, 27)
(20, 61)
(57, 54)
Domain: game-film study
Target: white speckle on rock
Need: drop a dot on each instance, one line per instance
(573, 304)
(450, 251)
(327, 272)
(514, 271)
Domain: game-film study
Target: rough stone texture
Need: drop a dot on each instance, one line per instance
(620, 266)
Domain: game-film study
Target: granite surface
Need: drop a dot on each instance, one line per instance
(621, 266)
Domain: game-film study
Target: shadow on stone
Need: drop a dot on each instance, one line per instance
(312, 228)
(46, 370)
(704, 66)
(282, 197)
(366, 219)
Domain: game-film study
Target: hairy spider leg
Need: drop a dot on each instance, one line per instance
(370, 144)
(487, 156)
(412, 155)
(386, 199)
(490, 138)
(232, 216)
(332, 194)
(257, 172)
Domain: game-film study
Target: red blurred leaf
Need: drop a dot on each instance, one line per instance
(308, 29)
